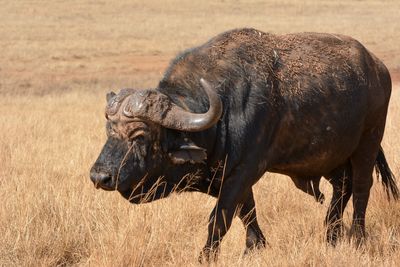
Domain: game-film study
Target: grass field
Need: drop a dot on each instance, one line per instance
(58, 58)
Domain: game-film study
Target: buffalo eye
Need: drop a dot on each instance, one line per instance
(109, 129)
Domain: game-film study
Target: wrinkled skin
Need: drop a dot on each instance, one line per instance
(128, 154)
(305, 105)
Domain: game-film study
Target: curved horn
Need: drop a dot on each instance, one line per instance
(158, 108)
(180, 119)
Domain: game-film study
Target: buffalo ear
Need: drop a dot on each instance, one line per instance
(110, 95)
(188, 152)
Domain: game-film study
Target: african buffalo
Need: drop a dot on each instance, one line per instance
(246, 102)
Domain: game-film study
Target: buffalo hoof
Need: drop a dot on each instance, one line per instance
(208, 255)
(261, 244)
(334, 233)
(358, 235)
(332, 237)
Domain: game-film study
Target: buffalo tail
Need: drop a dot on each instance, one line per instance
(389, 181)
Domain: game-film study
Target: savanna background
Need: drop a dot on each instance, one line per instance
(59, 58)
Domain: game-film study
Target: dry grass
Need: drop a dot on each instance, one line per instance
(59, 57)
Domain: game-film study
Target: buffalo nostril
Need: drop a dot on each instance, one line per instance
(100, 178)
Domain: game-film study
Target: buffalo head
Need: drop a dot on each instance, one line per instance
(138, 148)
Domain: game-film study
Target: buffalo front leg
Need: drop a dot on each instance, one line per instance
(254, 236)
(233, 193)
(341, 182)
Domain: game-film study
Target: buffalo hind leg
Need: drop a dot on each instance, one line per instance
(341, 182)
(247, 214)
(362, 163)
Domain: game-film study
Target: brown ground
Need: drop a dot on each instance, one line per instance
(57, 60)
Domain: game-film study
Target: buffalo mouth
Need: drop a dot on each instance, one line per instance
(136, 192)
(105, 187)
